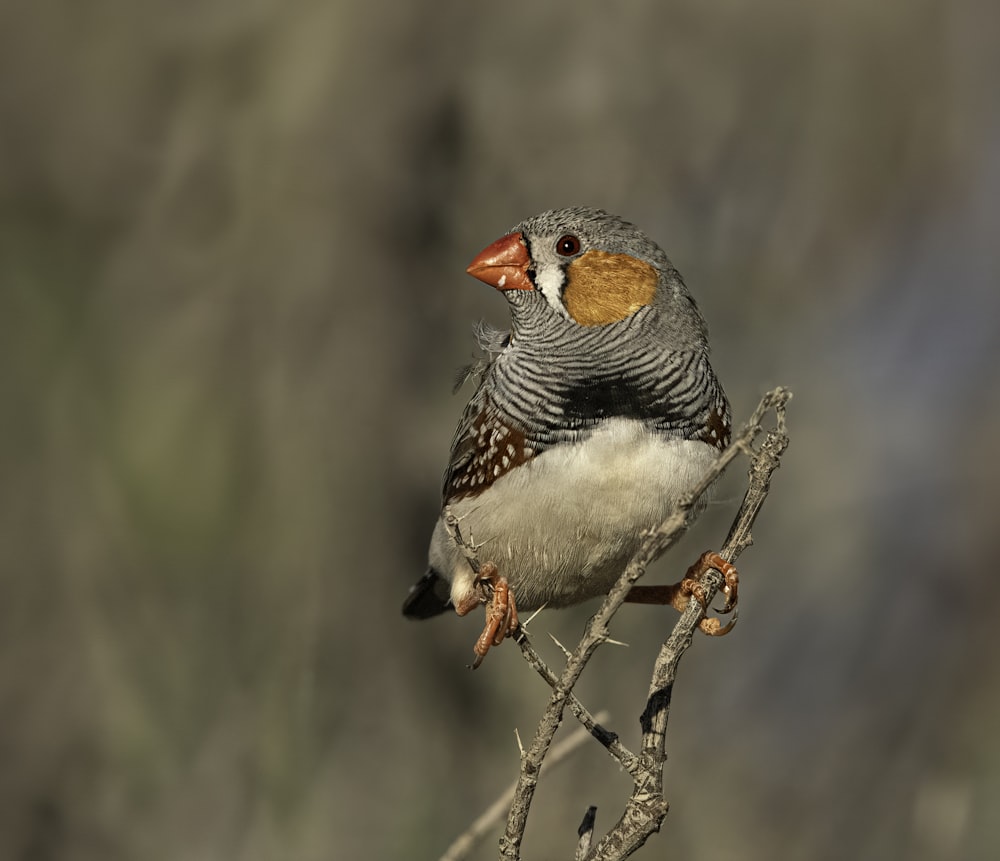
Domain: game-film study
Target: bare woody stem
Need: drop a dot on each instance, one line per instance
(646, 807)
(463, 845)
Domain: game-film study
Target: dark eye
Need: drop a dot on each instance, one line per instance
(568, 245)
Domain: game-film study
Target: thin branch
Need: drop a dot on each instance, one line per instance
(625, 758)
(647, 806)
(453, 528)
(622, 755)
(491, 817)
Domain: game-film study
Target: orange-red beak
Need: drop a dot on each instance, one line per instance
(504, 264)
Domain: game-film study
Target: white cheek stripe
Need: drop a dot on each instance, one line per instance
(549, 280)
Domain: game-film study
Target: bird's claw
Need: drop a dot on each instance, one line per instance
(501, 610)
(691, 586)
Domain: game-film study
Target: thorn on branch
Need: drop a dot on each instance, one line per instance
(564, 650)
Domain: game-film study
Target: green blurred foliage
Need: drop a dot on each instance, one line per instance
(232, 242)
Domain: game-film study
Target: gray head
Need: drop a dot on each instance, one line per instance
(590, 268)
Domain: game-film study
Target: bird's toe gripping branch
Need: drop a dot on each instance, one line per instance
(494, 591)
(691, 585)
(679, 594)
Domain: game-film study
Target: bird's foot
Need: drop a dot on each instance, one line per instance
(691, 586)
(492, 590)
(678, 594)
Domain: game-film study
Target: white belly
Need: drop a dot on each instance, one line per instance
(561, 527)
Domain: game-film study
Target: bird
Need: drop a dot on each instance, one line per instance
(592, 417)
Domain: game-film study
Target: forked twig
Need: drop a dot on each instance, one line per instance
(646, 807)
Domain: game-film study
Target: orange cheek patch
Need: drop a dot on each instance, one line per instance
(604, 288)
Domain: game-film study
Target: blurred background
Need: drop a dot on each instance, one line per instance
(232, 303)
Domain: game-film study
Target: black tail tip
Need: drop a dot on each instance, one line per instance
(429, 596)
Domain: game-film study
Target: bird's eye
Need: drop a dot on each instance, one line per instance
(568, 245)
